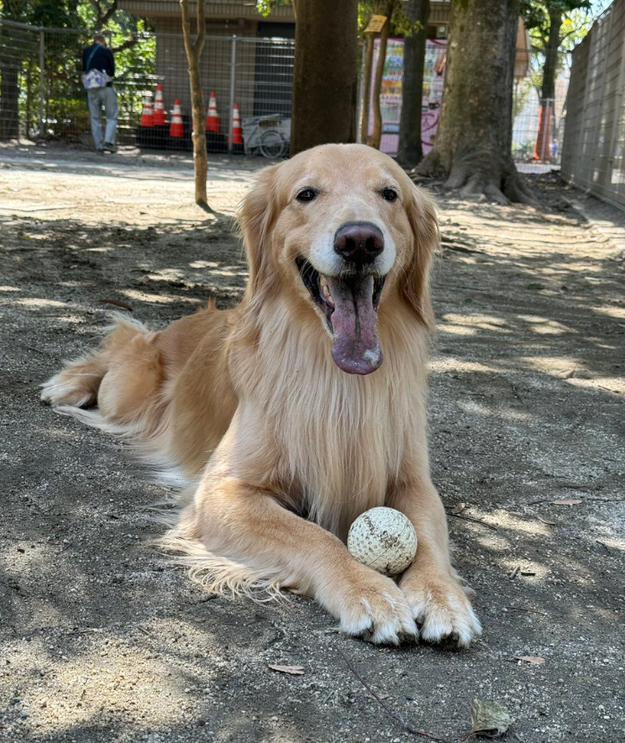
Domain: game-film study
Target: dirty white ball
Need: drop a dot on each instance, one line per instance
(384, 539)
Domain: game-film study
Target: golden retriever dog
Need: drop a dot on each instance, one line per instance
(303, 406)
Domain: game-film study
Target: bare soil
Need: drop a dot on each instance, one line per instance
(102, 640)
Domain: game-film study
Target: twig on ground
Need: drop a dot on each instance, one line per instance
(470, 518)
(117, 303)
(391, 712)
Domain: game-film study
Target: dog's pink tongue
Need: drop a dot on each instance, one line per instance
(356, 348)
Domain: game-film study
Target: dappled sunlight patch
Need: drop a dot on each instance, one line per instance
(524, 524)
(616, 312)
(37, 559)
(40, 302)
(609, 384)
(555, 366)
(224, 272)
(550, 328)
(546, 326)
(455, 329)
(10, 289)
(150, 298)
(103, 678)
(203, 264)
(455, 364)
(457, 323)
(472, 407)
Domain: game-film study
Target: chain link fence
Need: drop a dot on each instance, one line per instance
(42, 97)
(593, 154)
(538, 125)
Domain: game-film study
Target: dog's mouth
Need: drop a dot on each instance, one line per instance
(350, 303)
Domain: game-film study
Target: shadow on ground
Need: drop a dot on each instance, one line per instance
(104, 641)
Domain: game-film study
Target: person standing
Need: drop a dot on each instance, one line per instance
(98, 57)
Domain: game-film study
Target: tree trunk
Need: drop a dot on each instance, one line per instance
(542, 149)
(366, 88)
(325, 80)
(474, 135)
(194, 52)
(410, 149)
(376, 135)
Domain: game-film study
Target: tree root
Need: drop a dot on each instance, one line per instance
(477, 174)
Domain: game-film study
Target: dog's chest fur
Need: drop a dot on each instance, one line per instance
(338, 440)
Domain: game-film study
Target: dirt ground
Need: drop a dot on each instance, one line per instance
(101, 640)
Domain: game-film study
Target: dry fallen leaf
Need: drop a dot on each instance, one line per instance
(568, 374)
(547, 521)
(533, 659)
(567, 502)
(489, 718)
(458, 508)
(293, 670)
(117, 303)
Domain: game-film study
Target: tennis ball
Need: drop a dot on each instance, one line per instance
(384, 539)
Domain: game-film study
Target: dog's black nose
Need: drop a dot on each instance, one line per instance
(359, 242)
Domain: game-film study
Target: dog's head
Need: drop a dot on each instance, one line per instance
(341, 228)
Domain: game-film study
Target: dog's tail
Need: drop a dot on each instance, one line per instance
(78, 383)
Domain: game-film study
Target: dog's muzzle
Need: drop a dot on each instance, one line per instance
(350, 298)
(358, 243)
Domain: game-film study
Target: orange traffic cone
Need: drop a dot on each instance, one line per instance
(147, 115)
(237, 132)
(159, 108)
(212, 118)
(176, 128)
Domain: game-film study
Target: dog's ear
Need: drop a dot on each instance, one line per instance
(414, 287)
(256, 217)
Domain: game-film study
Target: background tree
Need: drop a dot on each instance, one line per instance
(551, 22)
(325, 78)
(376, 133)
(474, 138)
(365, 11)
(410, 148)
(61, 14)
(64, 108)
(194, 52)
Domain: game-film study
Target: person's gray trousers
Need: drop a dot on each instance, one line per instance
(106, 97)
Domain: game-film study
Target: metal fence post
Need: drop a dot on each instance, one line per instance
(546, 125)
(42, 80)
(233, 63)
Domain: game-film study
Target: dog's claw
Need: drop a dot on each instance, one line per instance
(442, 611)
(374, 608)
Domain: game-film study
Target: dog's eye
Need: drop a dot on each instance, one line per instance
(388, 194)
(306, 194)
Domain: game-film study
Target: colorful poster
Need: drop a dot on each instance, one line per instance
(391, 92)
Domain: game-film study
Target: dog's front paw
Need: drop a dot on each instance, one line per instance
(371, 606)
(441, 608)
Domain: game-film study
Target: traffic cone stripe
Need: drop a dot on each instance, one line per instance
(212, 118)
(160, 117)
(237, 132)
(147, 115)
(176, 128)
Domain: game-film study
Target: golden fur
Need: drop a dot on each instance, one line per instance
(283, 447)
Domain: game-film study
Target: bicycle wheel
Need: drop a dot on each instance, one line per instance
(272, 145)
